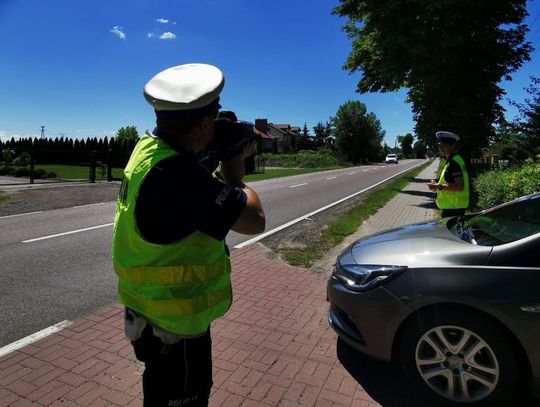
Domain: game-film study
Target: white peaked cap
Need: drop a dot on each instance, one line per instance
(446, 136)
(184, 87)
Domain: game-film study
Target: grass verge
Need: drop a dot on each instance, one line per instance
(82, 172)
(348, 223)
(78, 172)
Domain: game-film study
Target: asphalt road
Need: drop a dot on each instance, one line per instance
(56, 265)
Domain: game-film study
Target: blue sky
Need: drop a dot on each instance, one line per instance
(79, 67)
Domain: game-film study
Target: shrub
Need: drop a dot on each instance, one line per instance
(7, 170)
(40, 173)
(502, 184)
(322, 158)
(22, 172)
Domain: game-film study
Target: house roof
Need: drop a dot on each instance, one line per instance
(263, 134)
(277, 128)
(283, 126)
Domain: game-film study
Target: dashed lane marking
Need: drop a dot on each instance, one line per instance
(66, 233)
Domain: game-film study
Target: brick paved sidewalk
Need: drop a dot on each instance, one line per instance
(273, 348)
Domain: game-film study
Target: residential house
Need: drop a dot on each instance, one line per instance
(285, 137)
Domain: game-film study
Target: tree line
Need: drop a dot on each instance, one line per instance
(65, 150)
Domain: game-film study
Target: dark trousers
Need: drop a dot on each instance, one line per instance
(175, 375)
(452, 212)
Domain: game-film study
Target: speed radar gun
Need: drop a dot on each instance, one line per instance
(230, 137)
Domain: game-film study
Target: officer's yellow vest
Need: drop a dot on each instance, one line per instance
(180, 287)
(454, 200)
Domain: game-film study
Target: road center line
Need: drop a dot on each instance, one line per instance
(351, 173)
(301, 218)
(67, 233)
(21, 343)
(331, 178)
(84, 206)
(298, 185)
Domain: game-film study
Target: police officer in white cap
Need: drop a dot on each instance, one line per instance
(171, 220)
(453, 185)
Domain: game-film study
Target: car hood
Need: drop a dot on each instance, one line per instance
(417, 245)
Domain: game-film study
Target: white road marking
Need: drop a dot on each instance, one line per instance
(67, 233)
(298, 185)
(19, 214)
(21, 343)
(365, 170)
(331, 178)
(84, 206)
(301, 218)
(351, 173)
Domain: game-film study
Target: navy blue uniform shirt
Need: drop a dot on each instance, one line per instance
(179, 196)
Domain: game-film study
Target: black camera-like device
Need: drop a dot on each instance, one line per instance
(230, 136)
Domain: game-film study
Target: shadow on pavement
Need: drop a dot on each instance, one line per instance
(383, 382)
(386, 384)
(421, 180)
(427, 194)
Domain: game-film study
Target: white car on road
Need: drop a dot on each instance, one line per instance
(391, 159)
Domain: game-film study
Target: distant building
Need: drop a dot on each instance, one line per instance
(284, 137)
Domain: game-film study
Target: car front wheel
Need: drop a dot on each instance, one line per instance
(460, 359)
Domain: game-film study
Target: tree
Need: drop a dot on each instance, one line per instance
(406, 142)
(320, 134)
(451, 55)
(8, 155)
(305, 130)
(419, 149)
(358, 133)
(127, 134)
(528, 124)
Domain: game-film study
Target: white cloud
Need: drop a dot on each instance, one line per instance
(6, 136)
(118, 31)
(162, 21)
(167, 36)
(150, 35)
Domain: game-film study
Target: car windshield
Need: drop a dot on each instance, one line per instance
(501, 225)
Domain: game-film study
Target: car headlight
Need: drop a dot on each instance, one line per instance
(362, 277)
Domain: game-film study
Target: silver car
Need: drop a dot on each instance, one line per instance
(455, 302)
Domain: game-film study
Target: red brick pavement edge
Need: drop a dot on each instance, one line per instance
(273, 348)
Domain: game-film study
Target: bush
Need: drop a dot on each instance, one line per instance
(322, 158)
(503, 185)
(22, 172)
(7, 170)
(42, 174)
(23, 159)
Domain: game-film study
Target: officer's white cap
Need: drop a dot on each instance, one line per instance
(446, 137)
(184, 87)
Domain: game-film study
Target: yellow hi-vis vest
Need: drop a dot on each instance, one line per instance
(180, 287)
(453, 199)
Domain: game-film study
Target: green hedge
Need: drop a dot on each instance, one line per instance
(505, 184)
(303, 159)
